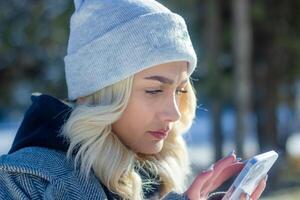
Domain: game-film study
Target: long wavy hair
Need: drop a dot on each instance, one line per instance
(96, 148)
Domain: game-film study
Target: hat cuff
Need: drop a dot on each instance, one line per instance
(143, 42)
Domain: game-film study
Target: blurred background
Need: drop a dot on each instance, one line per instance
(247, 81)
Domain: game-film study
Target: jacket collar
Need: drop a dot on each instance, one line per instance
(42, 124)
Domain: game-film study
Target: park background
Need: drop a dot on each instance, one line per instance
(247, 80)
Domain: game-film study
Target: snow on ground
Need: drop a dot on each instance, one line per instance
(6, 139)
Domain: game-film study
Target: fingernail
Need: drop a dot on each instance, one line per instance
(232, 153)
(211, 168)
(238, 159)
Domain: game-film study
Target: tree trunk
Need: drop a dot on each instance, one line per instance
(268, 72)
(265, 107)
(242, 51)
(213, 48)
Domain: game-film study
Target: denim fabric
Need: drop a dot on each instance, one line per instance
(40, 173)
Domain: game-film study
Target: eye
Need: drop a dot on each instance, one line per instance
(181, 91)
(152, 92)
(178, 91)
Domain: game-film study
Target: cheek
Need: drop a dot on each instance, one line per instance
(132, 127)
(136, 112)
(133, 123)
(142, 108)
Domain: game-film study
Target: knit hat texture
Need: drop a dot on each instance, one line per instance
(111, 40)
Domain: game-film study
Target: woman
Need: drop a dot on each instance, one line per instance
(127, 70)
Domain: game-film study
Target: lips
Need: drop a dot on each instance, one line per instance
(159, 134)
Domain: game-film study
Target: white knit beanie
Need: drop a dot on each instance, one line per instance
(111, 40)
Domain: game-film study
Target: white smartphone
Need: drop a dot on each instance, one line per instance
(254, 171)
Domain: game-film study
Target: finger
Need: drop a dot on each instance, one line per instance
(230, 170)
(225, 162)
(227, 173)
(259, 189)
(222, 164)
(228, 193)
(245, 196)
(194, 190)
(218, 168)
(224, 175)
(257, 192)
(206, 178)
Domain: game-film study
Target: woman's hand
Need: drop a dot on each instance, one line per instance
(257, 192)
(209, 180)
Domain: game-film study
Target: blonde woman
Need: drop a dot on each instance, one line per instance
(128, 71)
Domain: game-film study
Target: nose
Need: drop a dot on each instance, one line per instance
(170, 111)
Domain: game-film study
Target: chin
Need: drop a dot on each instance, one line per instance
(151, 150)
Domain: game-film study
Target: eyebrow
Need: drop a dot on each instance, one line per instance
(163, 79)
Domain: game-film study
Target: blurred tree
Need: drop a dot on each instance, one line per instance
(242, 51)
(33, 37)
(277, 53)
(213, 45)
(33, 40)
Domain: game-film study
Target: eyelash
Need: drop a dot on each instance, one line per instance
(153, 92)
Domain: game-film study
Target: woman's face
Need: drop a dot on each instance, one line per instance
(153, 107)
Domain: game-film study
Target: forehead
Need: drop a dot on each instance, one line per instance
(172, 70)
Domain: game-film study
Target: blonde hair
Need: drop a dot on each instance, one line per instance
(97, 148)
